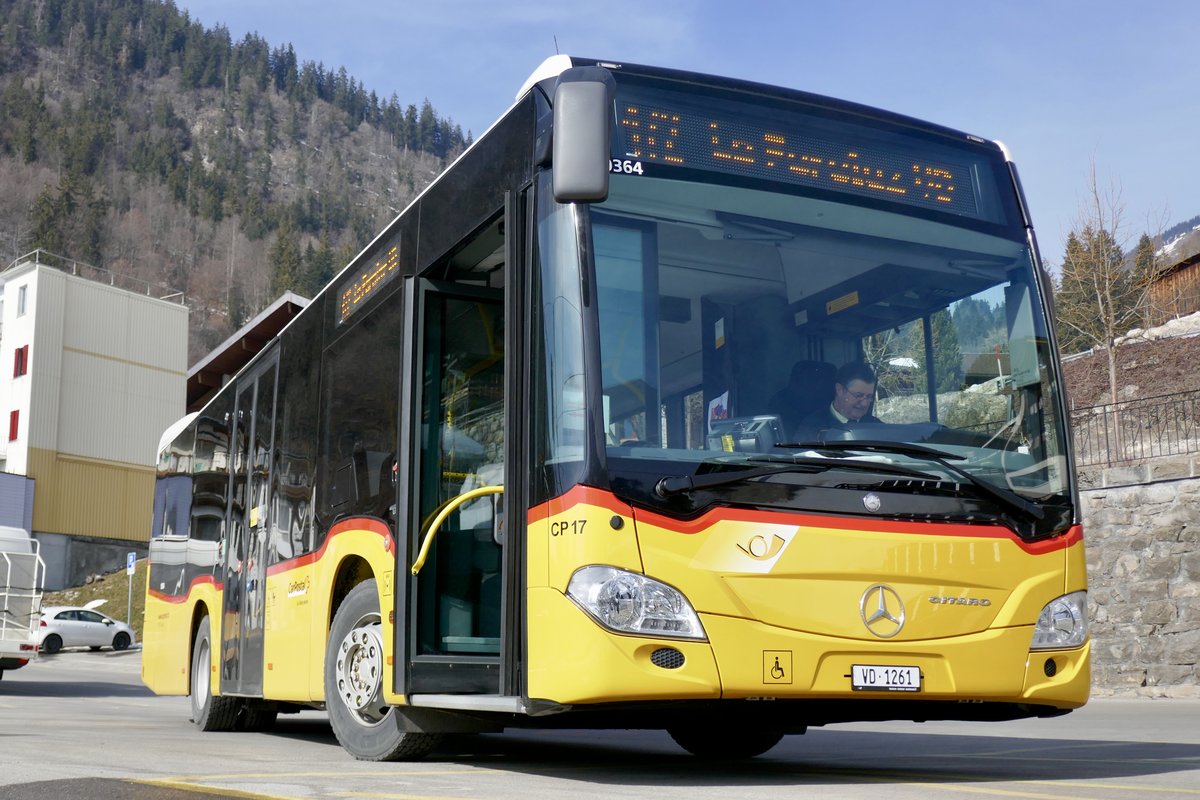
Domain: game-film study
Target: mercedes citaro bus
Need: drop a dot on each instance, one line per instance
(537, 457)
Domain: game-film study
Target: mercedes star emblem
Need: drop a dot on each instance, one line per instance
(882, 610)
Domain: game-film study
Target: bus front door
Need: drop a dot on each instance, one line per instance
(245, 565)
(455, 615)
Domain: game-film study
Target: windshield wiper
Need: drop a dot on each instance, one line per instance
(1003, 495)
(677, 484)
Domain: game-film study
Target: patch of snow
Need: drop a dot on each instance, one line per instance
(1181, 326)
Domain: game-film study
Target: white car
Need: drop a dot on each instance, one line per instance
(71, 626)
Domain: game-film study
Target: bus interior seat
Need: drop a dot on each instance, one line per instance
(809, 388)
(351, 489)
(342, 487)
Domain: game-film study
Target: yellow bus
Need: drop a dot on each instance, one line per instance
(675, 402)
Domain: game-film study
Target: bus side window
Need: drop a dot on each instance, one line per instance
(297, 413)
(358, 414)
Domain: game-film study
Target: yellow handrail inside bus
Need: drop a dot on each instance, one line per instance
(448, 508)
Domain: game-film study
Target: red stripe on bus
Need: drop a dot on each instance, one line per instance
(352, 524)
(369, 524)
(182, 598)
(579, 495)
(586, 495)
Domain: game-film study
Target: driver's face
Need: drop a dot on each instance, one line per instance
(854, 401)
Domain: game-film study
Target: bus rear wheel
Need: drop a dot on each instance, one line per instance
(257, 715)
(208, 712)
(364, 724)
(725, 744)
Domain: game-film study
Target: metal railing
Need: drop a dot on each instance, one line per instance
(1117, 433)
(21, 577)
(100, 274)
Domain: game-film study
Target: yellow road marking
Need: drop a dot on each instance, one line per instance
(391, 796)
(203, 783)
(949, 782)
(1122, 787)
(324, 774)
(1106, 787)
(213, 790)
(958, 787)
(965, 783)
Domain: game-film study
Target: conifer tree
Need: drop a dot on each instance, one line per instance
(287, 266)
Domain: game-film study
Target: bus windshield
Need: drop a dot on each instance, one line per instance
(726, 311)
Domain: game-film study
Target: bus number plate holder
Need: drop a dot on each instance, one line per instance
(880, 678)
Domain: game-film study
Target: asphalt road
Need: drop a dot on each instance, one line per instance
(81, 725)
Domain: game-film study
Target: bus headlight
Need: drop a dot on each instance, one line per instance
(1062, 623)
(627, 602)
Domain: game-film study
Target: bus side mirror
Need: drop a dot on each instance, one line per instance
(583, 102)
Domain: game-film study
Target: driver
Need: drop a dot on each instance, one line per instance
(853, 395)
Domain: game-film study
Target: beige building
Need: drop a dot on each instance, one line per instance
(90, 376)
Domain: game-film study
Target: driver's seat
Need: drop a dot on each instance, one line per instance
(809, 388)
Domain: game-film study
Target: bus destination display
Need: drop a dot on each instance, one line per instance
(367, 282)
(741, 145)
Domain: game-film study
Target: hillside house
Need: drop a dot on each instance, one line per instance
(1174, 292)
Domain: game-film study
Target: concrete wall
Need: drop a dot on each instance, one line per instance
(71, 560)
(1143, 546)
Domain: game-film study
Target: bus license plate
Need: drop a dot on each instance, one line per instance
(876, 678)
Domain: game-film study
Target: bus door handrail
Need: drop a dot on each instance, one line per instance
(448, 508)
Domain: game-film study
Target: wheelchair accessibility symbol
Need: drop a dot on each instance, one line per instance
(777, 666)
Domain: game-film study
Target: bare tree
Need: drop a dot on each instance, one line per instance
(1101, 294)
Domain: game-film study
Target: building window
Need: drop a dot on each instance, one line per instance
(14, 420)
(21, 300)
(20, 361)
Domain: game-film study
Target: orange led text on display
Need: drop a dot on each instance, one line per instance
(658, 135)
(365, 284)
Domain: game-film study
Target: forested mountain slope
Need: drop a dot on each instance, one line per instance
(137, 140)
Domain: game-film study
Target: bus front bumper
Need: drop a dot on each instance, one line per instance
(579, 662)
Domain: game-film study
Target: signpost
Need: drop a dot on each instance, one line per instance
(130, 561)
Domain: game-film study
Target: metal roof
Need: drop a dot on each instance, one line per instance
(215, 369)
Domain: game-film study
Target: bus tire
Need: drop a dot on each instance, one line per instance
(208, 712)
(365, 726)
(725, 744)
(258, 715)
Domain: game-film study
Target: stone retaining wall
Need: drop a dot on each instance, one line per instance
(1143, 552)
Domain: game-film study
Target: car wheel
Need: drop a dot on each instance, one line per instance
(208, 712)
(120, 641)
(368, 728)
(725, 744)
(52, 643)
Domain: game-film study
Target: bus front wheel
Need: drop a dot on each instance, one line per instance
(364, 724)
(725, 744)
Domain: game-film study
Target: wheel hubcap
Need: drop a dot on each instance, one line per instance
(200, 677)
(360, 672)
